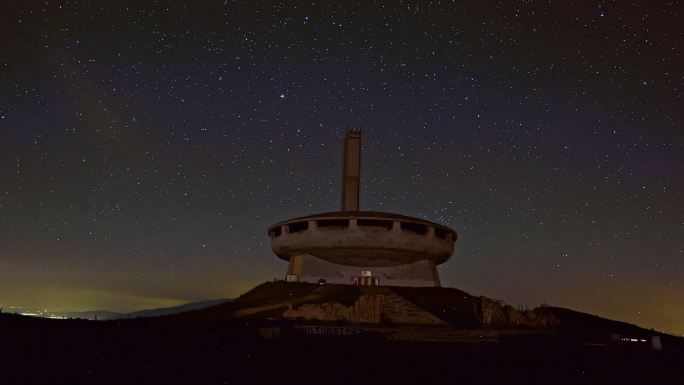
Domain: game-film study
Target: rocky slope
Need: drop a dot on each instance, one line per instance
(383, 305)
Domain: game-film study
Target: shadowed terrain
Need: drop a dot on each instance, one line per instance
(307, 333)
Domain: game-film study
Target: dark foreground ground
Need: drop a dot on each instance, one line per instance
(210, 349)
(90, 352)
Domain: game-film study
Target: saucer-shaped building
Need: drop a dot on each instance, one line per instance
(361, 247)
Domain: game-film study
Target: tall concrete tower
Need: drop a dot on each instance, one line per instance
(361, 247)
(351, 171)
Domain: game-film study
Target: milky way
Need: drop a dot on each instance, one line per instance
(146, 147)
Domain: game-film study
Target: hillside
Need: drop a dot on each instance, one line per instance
(307, 333)
(436, 306)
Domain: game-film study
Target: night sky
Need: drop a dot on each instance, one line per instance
(146, 146)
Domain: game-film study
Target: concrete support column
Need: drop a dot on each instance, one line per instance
(435, 275)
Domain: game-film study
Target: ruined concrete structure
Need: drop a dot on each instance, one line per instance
(361, 247)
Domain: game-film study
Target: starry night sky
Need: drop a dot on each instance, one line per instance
(146, 146)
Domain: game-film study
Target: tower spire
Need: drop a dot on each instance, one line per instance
(351, 171)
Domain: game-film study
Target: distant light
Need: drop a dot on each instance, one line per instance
(626, 339)
(282, 96)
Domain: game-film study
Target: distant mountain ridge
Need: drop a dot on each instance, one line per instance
(100, 315)
(177, 309)
(104, 315)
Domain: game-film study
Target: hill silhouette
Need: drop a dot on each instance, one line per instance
(270, 300)
(308, 333)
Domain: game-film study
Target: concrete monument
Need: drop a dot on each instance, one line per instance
(361, 247)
